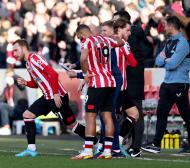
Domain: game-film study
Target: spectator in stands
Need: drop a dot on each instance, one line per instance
(158, 3)
(13, 102)
(132, 10)
(146, 22)
(105, 14)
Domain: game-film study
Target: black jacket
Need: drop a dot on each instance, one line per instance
(19, 95)
(146, 45)
(135, 76)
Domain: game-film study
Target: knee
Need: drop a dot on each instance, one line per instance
(70, 127)
(28, 114)
(134, 114)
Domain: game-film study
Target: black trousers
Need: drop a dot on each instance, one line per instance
(137, 132)
(168, 95)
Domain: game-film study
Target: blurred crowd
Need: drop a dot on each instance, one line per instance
(49, 25)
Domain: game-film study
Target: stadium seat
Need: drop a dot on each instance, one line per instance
(147, 91)
(46, 124)
(172, 110)
(155, 92)
(155, 95)
(176, 112)
(17, 126)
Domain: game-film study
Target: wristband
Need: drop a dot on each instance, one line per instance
(25, 83)
(85, 74)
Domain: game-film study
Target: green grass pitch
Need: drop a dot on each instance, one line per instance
(58, 153)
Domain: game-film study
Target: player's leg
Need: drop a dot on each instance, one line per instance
(164, 105)
(94, 100)
(137, 131)
(106, 112)
(100, 146)
(116, 152)
(66, 115)
(38, 108)
(179, 92)
(132, 113)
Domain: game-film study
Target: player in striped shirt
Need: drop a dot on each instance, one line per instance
(55, 97)
(122, 29)
(95, 60)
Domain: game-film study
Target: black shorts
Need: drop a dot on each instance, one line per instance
(124, 101)
(99, 99)
(43, 107)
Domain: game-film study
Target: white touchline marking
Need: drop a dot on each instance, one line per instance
(164, 160)
(38, 153)
(69, 149)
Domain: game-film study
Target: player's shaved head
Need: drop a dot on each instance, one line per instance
(83, 31)
(82, 27)
(94, 29)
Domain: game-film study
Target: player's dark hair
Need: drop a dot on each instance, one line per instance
(108, 23)
(22, 43)
(174, 21)
(82, 27)
(123, 14)
(122, 23)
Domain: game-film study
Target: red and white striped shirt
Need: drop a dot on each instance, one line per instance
(124, 55)
(99, 61)
(35, 66)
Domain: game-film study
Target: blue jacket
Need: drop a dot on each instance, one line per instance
(114, 68)
(177, 49)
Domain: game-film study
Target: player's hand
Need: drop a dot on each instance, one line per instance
(87, 78)
(162, 55)
(21, 81)
(166, 60)
(81, 85)
(71, 74)
(57, 100)
(70, 66)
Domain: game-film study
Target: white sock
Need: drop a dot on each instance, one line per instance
(100, 145)
(96, 145)
(32, 147)
(107, 151)
(88, 150)
(120, 140)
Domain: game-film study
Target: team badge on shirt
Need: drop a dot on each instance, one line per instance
(39, 62)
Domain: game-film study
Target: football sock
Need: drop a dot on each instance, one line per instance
(30, 128)
(100, 144)
(121, 140)
(32, 147)
(89, 144)
(108, 144)
(80, 130)
(126, 126)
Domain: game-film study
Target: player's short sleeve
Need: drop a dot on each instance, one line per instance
(112, 42)
(85, 44)
(39, 61)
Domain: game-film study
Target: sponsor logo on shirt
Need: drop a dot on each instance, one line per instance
(38, 80)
